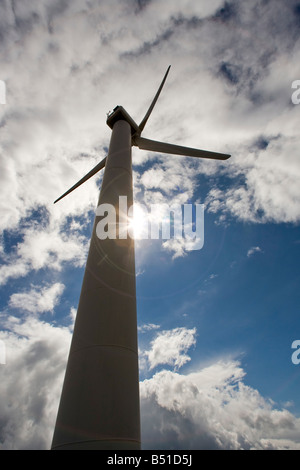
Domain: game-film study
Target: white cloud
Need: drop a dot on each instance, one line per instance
(38, 299)
(169, 347)
(212, 408)
(270, 192)
(50, 248)
(180, 247)
(72, 316)
(44, 248)
(31, 383)
(253, 250)
(207, 408)
(176, 247)
(148, 327)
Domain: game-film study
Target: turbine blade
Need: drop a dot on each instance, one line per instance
(91, 173)
(155, 146)
(147, 115)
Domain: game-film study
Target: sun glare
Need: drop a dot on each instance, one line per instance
(138, 222)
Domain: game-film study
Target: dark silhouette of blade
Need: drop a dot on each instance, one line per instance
(155, 146)
(97, 168)
(144, 121)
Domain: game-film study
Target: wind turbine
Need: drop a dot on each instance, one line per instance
(99, 405)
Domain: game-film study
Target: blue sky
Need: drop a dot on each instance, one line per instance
(216, 325)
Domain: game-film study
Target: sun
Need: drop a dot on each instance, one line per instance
(138, 222)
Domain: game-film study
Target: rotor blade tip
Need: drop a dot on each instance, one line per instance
(91, 173)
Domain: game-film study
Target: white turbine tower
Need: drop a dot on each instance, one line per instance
(99, 405)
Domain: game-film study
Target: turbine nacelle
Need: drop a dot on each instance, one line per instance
(119, 113)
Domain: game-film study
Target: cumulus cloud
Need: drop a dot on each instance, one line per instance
(44, 248)
(209, 407)
(212, 408)
(170, 347)
(268, 191)
(253, 250)
(148, 327)
(31, 383)
(38, 299)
